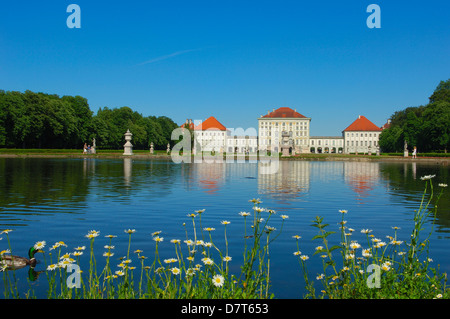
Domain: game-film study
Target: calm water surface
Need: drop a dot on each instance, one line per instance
(62, 199)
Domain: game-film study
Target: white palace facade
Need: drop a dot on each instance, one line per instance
(361, 136)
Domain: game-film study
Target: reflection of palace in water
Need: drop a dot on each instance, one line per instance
(210, 176)
(294, 177)
(361, 177)
(292, 180)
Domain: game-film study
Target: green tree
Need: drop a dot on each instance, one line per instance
(442, 92)
(167, 126)
(392, 139)
(82, 115)
(436, 128)
(426, 127)
(39, 120)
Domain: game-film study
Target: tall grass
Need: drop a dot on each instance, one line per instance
(392, 268)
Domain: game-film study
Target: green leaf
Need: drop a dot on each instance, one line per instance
(335, 247)
(328, 233)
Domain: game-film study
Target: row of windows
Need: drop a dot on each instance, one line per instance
(297, 142)
(363, 143)
(319, 142)
(275, 124)
(241, 142)
(206, 133)
(362, 134)
(269, 133)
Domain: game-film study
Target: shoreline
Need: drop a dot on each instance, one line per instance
(307, 157)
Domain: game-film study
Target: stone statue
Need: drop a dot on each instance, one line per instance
(405, 150)
(168, 148)
(94, 146)
(151, 148)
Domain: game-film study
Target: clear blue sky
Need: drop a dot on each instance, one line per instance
(231, 59)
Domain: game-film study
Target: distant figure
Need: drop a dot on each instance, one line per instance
(89, 149)
(84, 148)
(414, 154)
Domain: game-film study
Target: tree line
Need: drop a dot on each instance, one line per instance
(40, 120)
(425, 126)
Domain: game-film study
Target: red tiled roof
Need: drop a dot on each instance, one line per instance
(362, 124)
(210, 124)
(284, 112)
(386, 126)
(191, 125)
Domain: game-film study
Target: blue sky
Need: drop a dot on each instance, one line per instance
(234, 60)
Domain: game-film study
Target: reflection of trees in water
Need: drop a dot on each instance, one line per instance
(36, 186)
(40, 186)
(405, 185)
(126, 179)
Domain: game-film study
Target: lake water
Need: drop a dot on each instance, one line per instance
(62, 199)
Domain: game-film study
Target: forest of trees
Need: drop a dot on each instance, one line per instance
(426, 126)
(39, 120)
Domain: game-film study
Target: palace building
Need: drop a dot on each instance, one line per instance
(284, 128)
(359, 137)
(273, 124)
(213, 136)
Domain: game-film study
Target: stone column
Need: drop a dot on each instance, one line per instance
(285, 144)
(128, 147)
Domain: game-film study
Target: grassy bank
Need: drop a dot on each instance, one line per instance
(74, 153)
